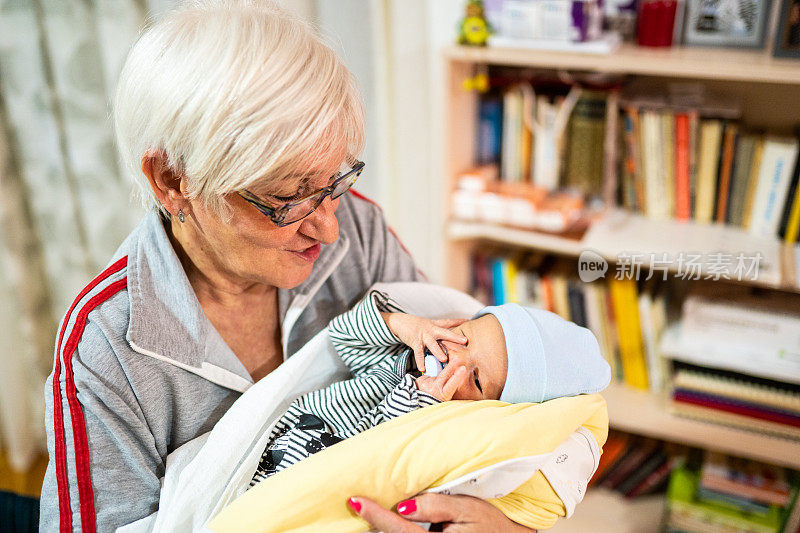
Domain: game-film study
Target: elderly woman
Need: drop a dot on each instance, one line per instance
(240, 128)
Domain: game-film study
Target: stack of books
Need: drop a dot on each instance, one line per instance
(738, 400)
(628, 318)
(719, 493)
(635, 466)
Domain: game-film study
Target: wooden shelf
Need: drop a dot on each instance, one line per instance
(645, 413)
(620, 232)
(681, 61)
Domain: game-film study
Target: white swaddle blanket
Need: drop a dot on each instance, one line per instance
(207, 473)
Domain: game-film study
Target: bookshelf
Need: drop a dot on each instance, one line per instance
(679, 62)
(778, 271)
(766, 89)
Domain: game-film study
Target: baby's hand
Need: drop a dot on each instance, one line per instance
(420, 333)
(445, 385)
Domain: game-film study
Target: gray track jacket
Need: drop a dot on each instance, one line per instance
(139, 369)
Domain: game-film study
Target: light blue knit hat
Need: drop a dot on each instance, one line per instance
(548, 357)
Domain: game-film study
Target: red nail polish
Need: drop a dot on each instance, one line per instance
(407, 507)
(354, 504)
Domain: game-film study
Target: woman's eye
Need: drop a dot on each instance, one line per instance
(294, 196)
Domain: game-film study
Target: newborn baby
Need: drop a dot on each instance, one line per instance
(507, 352)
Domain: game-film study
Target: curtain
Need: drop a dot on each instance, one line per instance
(65, 204)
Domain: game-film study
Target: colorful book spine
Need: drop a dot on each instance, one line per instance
(629, 332)
(710, 138)
(683, 200)
(725, 171)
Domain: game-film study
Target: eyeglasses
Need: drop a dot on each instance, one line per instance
(297, 210)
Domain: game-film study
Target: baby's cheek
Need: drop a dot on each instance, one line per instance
(467, 392)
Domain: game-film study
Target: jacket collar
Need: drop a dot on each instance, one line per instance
(166, 320)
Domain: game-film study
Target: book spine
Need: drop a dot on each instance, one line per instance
(729, 147)
(710, 138)
(629, 332)
(683, 201)
(776, 170)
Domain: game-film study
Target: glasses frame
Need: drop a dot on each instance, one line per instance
(278, 214)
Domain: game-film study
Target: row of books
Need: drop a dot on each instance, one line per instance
(713, 492)
(678, 164)
(628, 320)
(635, 466)
(661, 157)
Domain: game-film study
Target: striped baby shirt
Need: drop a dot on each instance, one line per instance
(382, 388)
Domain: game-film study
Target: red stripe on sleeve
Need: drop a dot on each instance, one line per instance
(62, 480)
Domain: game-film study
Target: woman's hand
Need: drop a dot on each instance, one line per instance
(445, 385)
(458, 514)
(420, 333)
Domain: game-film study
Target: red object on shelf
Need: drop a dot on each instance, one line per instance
(656, 22)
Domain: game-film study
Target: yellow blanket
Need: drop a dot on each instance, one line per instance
(417, 451)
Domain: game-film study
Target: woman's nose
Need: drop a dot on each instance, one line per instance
(321, 225)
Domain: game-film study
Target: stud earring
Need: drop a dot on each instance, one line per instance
(181, 216)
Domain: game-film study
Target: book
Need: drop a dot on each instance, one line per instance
(777, 165)
(633, 459)
(710, 139)
(652, 463)
(683, 200)
(585, 144)
(613, 450)
(652, 314)
(694, 133)
(667, 167)
(595, 295)
(790, 219)
(752, 182)
(490, 130)
(629, 332)
(611, 142)
(577, 303)
(726, 169)
(510, 162)
(656, 198)
(633, 189)
(653, 480)
(743, 159)
(498, 281)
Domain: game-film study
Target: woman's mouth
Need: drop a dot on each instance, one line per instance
(310, 254)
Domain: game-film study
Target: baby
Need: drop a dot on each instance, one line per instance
(506, 352)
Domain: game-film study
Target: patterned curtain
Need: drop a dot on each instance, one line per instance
(64, 201)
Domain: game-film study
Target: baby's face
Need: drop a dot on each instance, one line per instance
(484, 356)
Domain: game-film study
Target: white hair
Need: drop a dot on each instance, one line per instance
(234, 92)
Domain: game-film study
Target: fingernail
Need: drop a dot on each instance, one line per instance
(354, 504)
(407, 507)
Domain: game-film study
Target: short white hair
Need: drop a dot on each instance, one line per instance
(234, 92)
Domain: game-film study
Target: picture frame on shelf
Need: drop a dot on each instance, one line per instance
(787, 38)
(726, 23)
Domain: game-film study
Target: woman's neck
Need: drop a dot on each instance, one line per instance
(212, 284)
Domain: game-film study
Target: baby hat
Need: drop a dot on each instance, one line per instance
(548, 357)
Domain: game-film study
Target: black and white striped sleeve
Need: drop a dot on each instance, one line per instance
(361, 337)
(404, 398)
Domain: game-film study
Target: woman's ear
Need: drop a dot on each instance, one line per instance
(166, 183)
